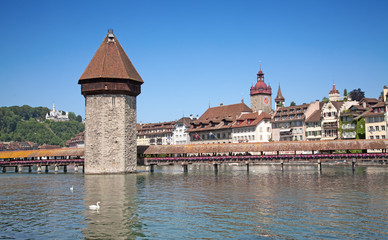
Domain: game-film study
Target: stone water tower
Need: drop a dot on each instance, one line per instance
(110, 85)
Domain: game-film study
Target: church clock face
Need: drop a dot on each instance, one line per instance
(266, 100)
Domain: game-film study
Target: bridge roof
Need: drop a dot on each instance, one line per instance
(266, 147)
(59, 152)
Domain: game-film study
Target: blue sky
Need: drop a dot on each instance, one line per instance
(192, 54)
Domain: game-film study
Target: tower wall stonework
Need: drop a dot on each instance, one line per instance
(257, 103)
(110, 134)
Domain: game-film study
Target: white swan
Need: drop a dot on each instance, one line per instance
(95, 207)
(72, 189)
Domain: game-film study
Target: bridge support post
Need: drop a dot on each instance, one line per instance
(152, 167)
(4, 169)
(65, 168)
(282, 165)
(16, 169)
(29, 169)
(247, 163)
(76, 168)
(47, 168)
(319, 165)
(353, 164)
(185, 167)
(215, 167)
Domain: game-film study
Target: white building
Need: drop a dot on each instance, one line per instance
(252, 127)
(180, 136)
(57, 115)
(330, 120)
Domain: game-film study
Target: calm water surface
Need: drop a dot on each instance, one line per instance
(266, 203)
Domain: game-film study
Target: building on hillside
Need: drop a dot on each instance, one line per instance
(47, 146)
(368, 102)
(330, 120)
(180, 136)
(252, 127)
(352, 124)
(15, 146)
(261, 95)
(313, 126)
(155, 133)
(375, 123)
(215, 125)
(288, 123)
(56, 115)
(77, 142)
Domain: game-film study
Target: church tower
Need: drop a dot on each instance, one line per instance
(279, 100)
(261, 95)
(110, 85)
(334, 94)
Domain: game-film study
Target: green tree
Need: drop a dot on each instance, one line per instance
(325, 100)
(357, 94)
(292, 103)
(71, 116)
(78, 118)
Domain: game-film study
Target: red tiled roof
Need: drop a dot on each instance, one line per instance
(333, 90)
(220, 116)
(222, 112)
(250, 119)
(314, 117)
(110, 62)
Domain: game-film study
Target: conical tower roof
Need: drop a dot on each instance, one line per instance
(279, 96)
(110, 62)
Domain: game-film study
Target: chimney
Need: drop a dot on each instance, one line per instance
(221, 104)
(191, 117)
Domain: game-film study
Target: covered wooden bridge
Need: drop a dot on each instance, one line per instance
(312, 151)
(42, 158)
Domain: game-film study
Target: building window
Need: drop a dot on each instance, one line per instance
(382, 136)
(371, 137)
(377, 137)
(377, 128)
(382, 128)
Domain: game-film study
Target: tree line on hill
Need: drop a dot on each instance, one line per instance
(27, 123)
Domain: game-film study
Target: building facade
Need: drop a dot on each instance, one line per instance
(180, 136)
(57, 116)
(252, 127)
(215, 125)
(155, 133)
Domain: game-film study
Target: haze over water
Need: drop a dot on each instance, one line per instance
(266, 203)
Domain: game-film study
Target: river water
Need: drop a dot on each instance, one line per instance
(266, 203)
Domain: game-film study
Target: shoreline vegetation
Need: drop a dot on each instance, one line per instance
(28, 124)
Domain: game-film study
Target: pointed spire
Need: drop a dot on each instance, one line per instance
(279, 96)
(334, 90)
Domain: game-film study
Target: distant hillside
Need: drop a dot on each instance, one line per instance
(27, 123)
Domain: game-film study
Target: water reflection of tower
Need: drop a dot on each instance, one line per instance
(117, 217)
